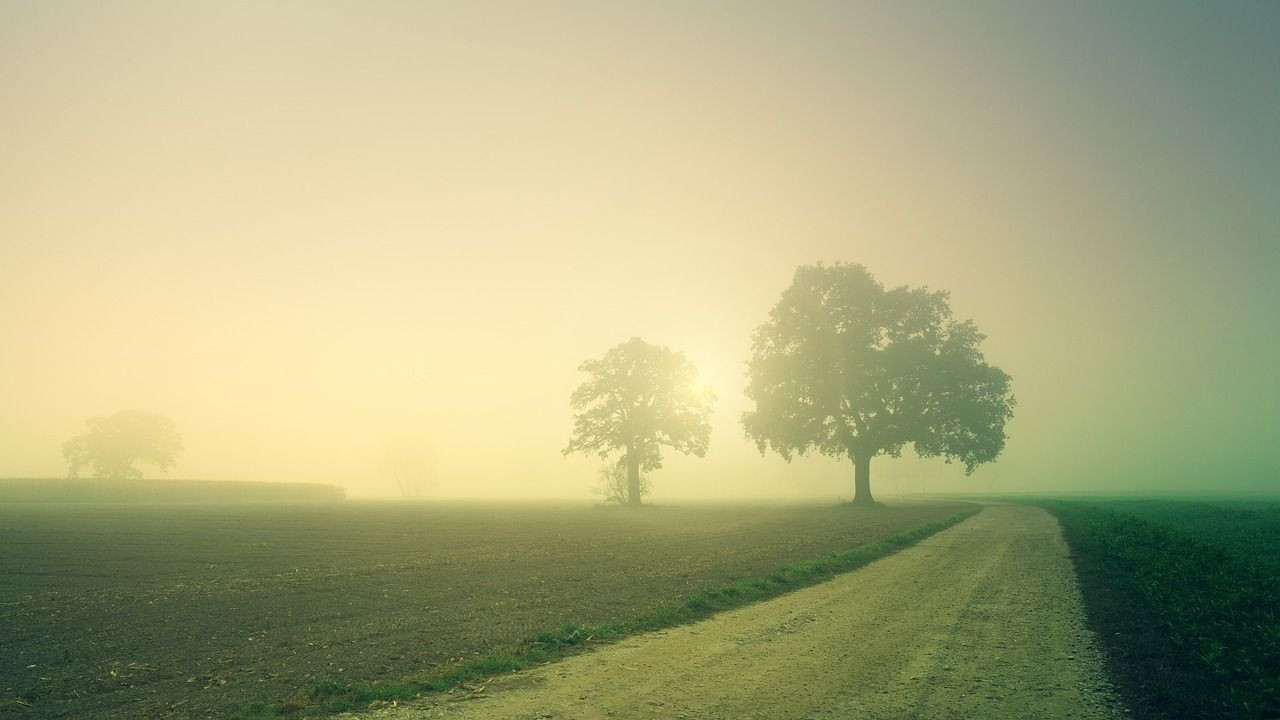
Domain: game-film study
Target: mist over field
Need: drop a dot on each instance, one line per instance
(309, 233)
(556, 358)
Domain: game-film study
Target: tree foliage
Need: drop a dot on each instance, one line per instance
(848, 368)
(115, 444)
(640, 398)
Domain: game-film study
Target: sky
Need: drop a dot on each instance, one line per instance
(309, 230)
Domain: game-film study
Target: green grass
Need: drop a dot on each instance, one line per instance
(334, 696)
(1248, 529)
(1186, 598)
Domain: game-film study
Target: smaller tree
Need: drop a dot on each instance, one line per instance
(612, 483)
(116, 443)
(638, 399)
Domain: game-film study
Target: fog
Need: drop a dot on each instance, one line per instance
(308, 231)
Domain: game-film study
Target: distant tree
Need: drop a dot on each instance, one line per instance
(114, 444)
(849, 369)
(612, 483)
(410, 465)
(638, 399)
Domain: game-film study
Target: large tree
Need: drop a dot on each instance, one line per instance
(114, 444)
(850, 369)
(640, 398)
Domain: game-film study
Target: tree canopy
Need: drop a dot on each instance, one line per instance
(848, 368)
(114, 444)
(640, 398)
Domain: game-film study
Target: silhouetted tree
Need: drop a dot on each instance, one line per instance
(612, 483)
(114, 444)
(639, 398)
(847, 368)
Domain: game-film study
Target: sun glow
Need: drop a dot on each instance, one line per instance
(300, 232)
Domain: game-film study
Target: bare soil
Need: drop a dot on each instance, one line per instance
(111, 611)
(983, 620)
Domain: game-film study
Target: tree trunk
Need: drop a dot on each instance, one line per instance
(862, 479)
(633, 480)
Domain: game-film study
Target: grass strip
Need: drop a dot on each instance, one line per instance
(1191, 630)
(335, 696)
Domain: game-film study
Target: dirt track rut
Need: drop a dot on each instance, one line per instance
(983, 620)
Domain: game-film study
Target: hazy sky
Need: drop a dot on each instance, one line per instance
(301, 229)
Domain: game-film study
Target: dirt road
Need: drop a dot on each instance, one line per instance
(983, 620)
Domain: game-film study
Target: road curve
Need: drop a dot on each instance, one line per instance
(983, 620)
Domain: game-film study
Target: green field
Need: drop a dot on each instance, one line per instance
(199, 611)
(1186, 598)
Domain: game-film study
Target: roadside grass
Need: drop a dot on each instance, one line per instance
(335, 696)
(1190, 622)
